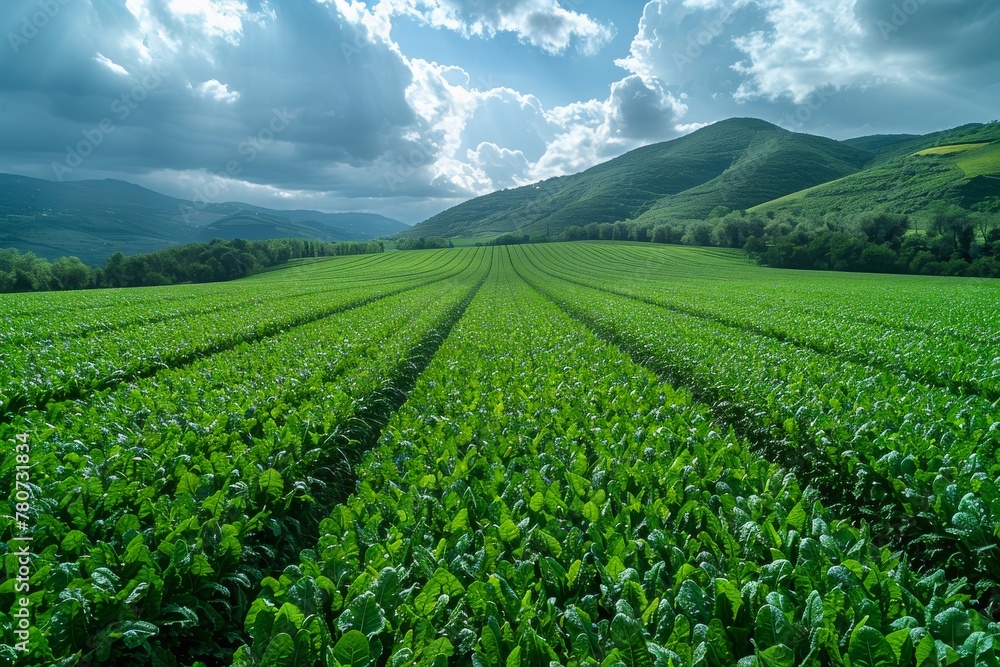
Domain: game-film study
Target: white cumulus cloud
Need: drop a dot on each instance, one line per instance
(545, 24)
(214, 90)
(808, 46)
(110, 64)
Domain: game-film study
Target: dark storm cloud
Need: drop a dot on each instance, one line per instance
(313, 103)
(280, 98)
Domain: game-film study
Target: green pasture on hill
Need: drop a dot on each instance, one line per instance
(578, 454)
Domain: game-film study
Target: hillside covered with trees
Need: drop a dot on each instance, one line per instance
(214, 261)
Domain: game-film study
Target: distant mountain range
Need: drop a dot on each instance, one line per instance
(737, 164)
(93, 219)
(741, 164)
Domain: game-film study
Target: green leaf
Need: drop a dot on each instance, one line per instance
(363, 615)
(351, 651)
(104, 579)
(200, 566)
(271, 483)
(771, 627)
(188, 617)
(725, 590)
(591, 512)
(868, 648)
(283, 651)
(813, 614)
(551, 543)
(899, 642)
(137, 552)
(952, 626)
(614, 567)
(74, 540)
(581, 629)
(442, 583)
(536, 650)
(180, 556)
(693, 602)
(926, 652)
(387, 587)
(537, 502)
(305, 655)
(979, 647)
(509, 532)
(460, 522)
(580, 485)
(490, 643)
(189, 483)
(280, 651)
(288, 619)
(797, 517)
(136, 594)
(628, 637)
(574, 572)
(135, 633)
(777, 656)
(664, 657)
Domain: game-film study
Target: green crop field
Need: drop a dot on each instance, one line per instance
(949, 149)
(981, 161)
(561, 454)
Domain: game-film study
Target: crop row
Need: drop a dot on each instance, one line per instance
(134, 312)
(932, 356)
(918, 462)
(541, 499)
(160, 504)
(58, 369)
(939, 307)
(60, 315)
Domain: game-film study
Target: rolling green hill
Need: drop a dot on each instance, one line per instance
(738, 163)
(741, 164)
(254, 226)
(93, 219)
(961, 168)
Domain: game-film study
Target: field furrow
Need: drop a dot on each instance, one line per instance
(60, 370)
(540, 498)
(918, 463)
(932, 357)
(931, 307)
(165, 501)
(585, 454)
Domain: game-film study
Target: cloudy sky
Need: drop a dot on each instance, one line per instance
(406, 107)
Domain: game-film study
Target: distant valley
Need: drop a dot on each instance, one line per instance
(93, 219)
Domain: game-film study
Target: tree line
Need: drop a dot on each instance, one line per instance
(422, 243)
(953, 241)
(214, 261)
